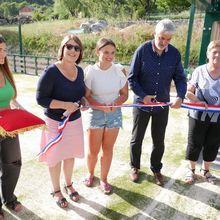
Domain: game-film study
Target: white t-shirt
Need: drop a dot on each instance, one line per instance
(104, 84)
(208, 90)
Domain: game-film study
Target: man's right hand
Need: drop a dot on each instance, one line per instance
(148, 99)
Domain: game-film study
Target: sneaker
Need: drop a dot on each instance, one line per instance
(134, 174)
(105, 187)
(158, 177)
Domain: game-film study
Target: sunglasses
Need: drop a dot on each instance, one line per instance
(70, 47)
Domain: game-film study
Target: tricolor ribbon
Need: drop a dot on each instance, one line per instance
(58, 138)
(201, 107)
(156, 104)
(62, 124)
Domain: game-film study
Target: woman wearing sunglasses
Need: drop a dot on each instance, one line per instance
(60, 89)
(106, 85)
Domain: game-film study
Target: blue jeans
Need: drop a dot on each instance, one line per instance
(101, 119)
(158, 127)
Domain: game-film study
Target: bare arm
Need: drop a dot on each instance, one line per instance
(94, 102)
(68, 106)
(123, 95)
(190, 94)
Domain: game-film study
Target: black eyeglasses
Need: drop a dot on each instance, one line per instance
(70, 47)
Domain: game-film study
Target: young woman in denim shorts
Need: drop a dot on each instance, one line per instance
(106, 87)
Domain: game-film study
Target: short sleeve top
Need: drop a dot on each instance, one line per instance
(208, 90)
(104, 84)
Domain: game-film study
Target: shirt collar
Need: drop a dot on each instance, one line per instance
(153, 47)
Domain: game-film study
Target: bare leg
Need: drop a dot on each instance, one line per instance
(206, 165)
(190, 175)
(95, 137)
(68, 170)
(192, 165)
(109, 139)
(206, 173)
(55, 178)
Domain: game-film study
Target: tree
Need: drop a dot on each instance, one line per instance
(172, 5)
(59, 10)
(10, 9)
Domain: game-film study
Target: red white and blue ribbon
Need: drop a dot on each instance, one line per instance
(156, 104)
(57, 139)
(62, 124)
(201, 107)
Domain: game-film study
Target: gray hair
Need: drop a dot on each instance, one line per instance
(165, 25)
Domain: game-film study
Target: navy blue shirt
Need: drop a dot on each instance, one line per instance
(151, 74)
(54, 85)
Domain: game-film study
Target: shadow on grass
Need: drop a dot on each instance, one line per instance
(24, 214)
(184, 189)
(141, 201)
(107, 212)
(82, 212)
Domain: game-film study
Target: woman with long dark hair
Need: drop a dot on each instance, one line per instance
(10, 154)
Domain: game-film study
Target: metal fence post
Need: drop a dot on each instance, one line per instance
(20, 38)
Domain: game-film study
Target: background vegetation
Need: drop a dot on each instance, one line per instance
(63, 9)
(45, 37)
(53, 18)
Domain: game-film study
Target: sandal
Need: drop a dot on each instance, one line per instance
(88, 181)
(61, 202)
(190, 176)
(15, 206)
(105, 187)
(74, 195)
(208, 176)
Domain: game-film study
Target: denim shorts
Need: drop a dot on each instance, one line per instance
(100, 119)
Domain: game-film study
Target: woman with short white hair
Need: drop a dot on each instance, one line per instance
(204, 127)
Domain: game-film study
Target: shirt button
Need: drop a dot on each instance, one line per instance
(156, 83)
(158, 73)
(158, 64)
(155, 92)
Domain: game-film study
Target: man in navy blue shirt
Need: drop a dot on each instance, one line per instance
(155, 64)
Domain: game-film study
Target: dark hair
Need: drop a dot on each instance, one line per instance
(63, 43)
(6, 70)
(104, 42)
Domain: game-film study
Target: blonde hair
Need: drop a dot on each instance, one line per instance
(63, 43)
(213, 44)
(6, 70)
